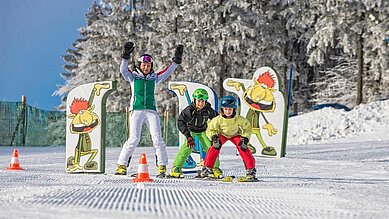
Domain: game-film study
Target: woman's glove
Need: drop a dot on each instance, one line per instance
(127, 50)
(178, 54)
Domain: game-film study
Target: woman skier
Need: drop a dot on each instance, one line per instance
(143, 107)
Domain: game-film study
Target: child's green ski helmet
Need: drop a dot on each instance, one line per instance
(200, 94)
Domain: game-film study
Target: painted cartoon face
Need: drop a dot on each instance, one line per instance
(84, 120)
(260, 96)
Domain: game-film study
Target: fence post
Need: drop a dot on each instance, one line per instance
(24, 120)
(21, 119)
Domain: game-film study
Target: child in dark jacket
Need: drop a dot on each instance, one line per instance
(192, 122)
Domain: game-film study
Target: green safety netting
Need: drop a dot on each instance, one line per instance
(30, 126)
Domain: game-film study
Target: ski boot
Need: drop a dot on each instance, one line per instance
(161, 171)
(217, 173)
(205, 172)
(176, 172)
(121, 170)
(250, 176)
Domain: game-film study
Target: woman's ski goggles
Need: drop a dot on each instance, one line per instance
(146, 58)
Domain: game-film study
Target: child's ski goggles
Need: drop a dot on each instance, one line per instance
(200, 97)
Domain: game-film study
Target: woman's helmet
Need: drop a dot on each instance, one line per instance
(145, 58)
(200, 94)
(228, 102)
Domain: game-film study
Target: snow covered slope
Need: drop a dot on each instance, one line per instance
(349, 180)
(345, 174)
(366, 121)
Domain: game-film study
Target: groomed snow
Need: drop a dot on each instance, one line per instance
(342, 173)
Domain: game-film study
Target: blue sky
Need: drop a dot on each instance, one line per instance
(34, 34)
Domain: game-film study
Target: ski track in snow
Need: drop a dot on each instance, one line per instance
(348, 180)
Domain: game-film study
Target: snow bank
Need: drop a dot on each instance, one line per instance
(334, 125)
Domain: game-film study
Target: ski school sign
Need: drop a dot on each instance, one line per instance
(261, 102)
(85, 122)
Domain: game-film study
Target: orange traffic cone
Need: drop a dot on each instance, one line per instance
(15, 165)
(143, 171)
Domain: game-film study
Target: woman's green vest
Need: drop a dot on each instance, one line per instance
(143, 94)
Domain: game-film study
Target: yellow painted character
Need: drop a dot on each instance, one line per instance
(260, 99)
(84, 121)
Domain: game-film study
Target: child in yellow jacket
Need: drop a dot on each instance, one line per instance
(229, 126)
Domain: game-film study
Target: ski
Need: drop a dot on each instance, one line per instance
(162, 176)
(119, 175)
(172, 177)
(224, 179)
(244, 179)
